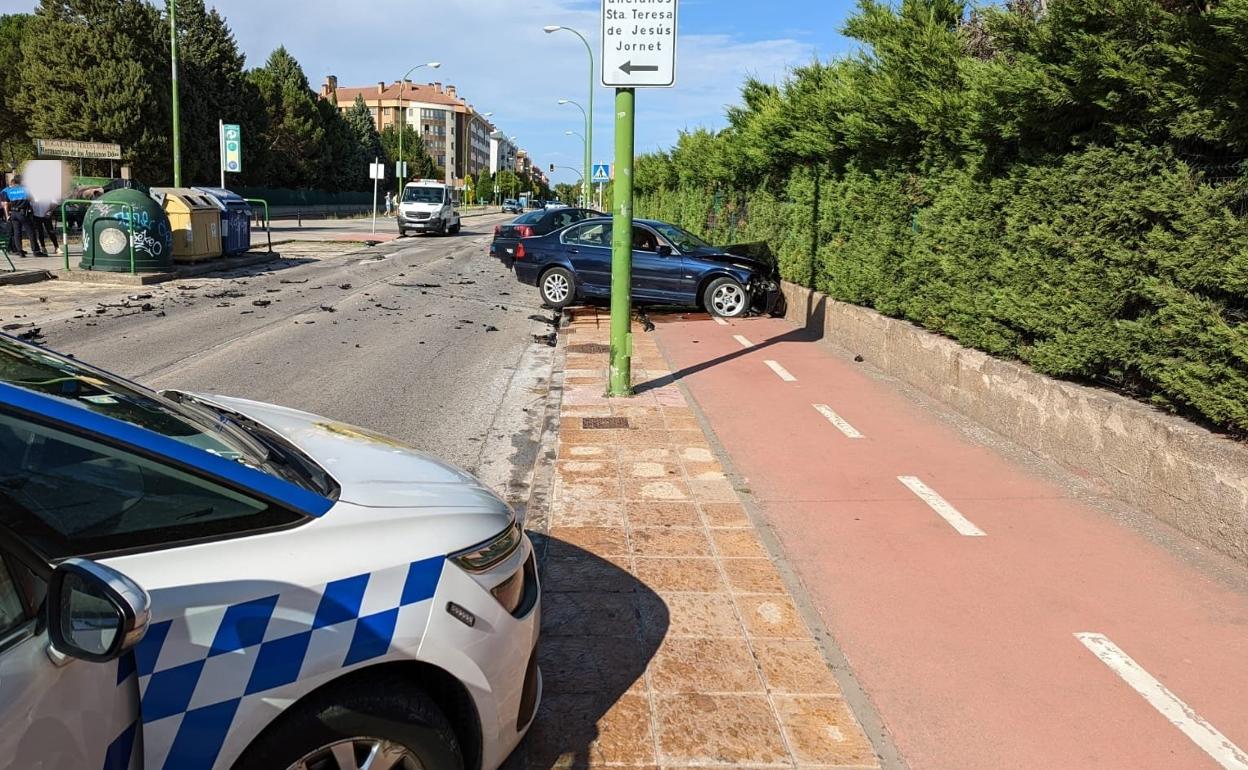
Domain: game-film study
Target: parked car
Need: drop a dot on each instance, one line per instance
(670, 266)
(246, 586)
(511, 206)
(507, 236)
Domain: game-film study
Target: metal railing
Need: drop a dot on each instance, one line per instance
(129, 218)
(268, 230)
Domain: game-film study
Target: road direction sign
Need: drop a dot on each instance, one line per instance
(376, 170)
(602, 173)
(639, 43)
(231, 148)
(400, 169)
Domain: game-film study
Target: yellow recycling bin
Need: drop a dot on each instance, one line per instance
(195, 221)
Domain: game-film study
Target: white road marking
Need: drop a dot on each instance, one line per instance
(942, 507)
(743, 341)
(841, 424)
(1203, 734)
(781, 371)
(720, 321)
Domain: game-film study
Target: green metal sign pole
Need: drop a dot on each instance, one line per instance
(621, 376)
(177, 121)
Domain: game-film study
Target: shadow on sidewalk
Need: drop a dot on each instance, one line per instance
(600, 628)
(812, 332)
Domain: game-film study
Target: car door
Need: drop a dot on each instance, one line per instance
(588, 246)
(657, 272)
(56, 713)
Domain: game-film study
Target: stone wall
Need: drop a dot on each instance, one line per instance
(1162, 465)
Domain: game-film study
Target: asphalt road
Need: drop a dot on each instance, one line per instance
(426, 339)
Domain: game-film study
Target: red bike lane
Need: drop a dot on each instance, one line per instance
(994, 619)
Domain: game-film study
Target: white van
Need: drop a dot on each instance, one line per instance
(429, 206)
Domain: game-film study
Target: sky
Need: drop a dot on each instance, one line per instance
(496, 54)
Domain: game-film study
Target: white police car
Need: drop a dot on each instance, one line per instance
(194, 582)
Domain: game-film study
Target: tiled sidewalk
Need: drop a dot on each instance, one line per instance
(670, 639)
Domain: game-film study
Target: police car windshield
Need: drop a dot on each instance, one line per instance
(37, 370)
(424, 195)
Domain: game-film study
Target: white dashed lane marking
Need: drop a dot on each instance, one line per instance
(720, 321)
(942, 507)
(1203, 734)
(780, 371)
(742, 341)
(841, 424)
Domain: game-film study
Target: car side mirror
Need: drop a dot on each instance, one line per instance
(95, 613)
(665, 251)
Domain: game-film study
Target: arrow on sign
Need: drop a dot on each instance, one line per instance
(629, 68)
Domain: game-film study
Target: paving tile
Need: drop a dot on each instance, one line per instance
(821, 730)
(650, 469)
(591, 469)
(602, 666)
(725, 515)
(589, 574)
(713, 490)
(718, 729)
(587, 452)
(771, 617)
(655, 489)
(738, 543)
(682, 574)
(587, 513)
(753, 576)
(584, 614)
(688, 614)
(579, 437)
(601, 541)
(670, 541)
(661, 514)
(654, 452)
(696, 454)
(586, 490)
(794, 667)
(702, 665)
(586, 731)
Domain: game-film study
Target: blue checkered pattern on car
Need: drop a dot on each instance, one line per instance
(191, 685)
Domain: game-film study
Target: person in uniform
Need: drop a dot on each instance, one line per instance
(16, 202)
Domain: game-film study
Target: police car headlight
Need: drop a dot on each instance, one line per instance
(480, 558)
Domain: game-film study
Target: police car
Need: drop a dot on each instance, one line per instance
(191, 582)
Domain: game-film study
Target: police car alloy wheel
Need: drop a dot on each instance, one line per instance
(360, 753)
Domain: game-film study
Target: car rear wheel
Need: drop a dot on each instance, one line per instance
(558, 288)
(377, 723)
(726, 298)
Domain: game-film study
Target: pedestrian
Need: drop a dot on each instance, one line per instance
(44, 224)
(389, 203)
(15, 200)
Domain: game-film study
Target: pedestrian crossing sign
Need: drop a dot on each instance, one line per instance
(602, 173)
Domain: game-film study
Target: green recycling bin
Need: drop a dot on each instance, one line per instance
(106, 237)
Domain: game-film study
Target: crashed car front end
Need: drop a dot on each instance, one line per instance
(766, 296)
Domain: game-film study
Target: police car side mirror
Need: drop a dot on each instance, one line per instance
(94, 612)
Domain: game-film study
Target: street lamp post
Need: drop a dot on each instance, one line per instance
(589, 118)
(588, 132)
(433, 65)
(177, 122)
(584, 179)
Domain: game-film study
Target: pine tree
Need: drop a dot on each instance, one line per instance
(366, 141)
(294, 135)
(14, 140)
(78, 82)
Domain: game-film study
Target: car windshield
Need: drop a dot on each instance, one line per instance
(184, 420)
(680, 238)
(424, 194)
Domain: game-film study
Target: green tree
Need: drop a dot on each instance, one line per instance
(510, 184)
(292, 139)
(419, 164)
(14, 135)
(77, 82)
(485, 186)
(366, 140)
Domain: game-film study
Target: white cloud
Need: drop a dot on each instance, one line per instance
(496, 54)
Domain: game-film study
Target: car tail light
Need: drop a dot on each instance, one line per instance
(525, 231)
(498, 229)
(520, 252)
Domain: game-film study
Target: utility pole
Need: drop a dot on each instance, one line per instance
(177, 121)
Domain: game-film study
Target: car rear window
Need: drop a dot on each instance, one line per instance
(531, 218)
